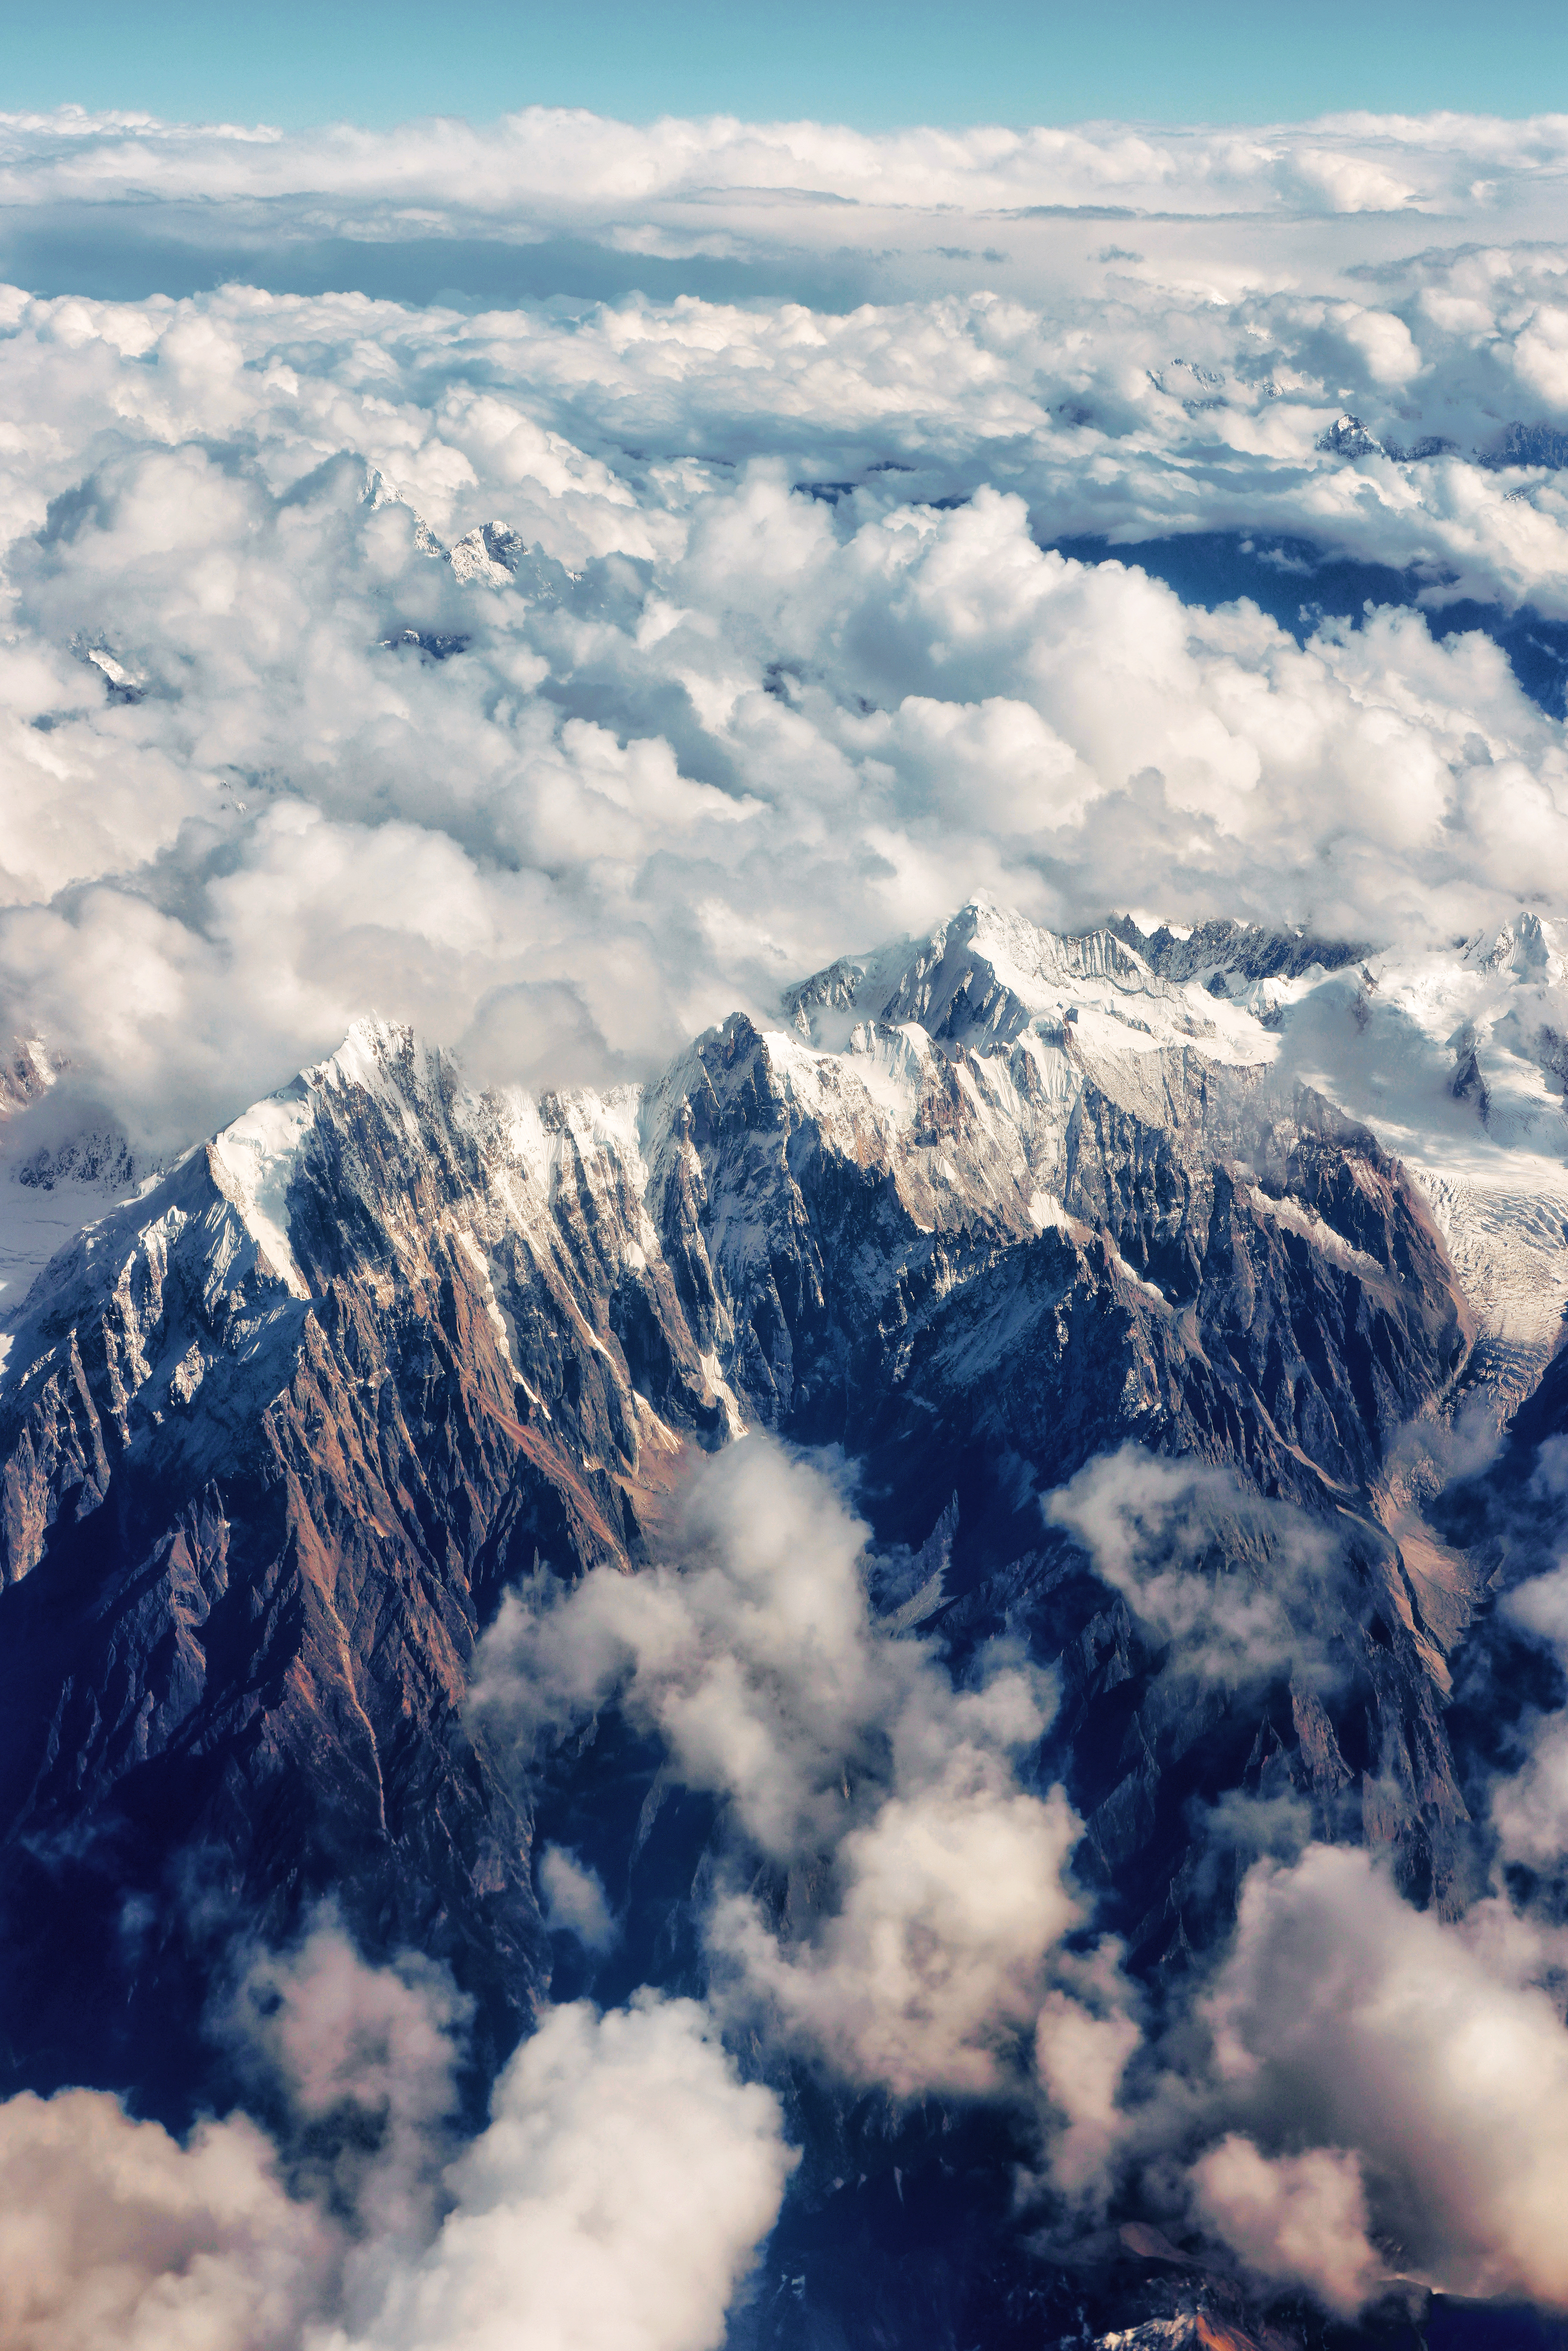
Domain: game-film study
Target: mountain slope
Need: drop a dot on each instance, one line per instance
(277, 1434)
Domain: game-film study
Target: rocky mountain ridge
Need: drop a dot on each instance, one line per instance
(278, 1432)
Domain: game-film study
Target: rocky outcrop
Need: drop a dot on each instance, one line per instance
(276, 1435)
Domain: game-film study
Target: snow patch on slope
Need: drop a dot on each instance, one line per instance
(481, 1264)
(258, 1155)
(1510, 1248)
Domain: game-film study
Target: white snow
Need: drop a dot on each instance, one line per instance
(35, 1224)
(481, 1264)
(978, 1124)
(1046, 1212)
(725, 1394)
(116, 672)
(1313, 1228)
(257, 1154)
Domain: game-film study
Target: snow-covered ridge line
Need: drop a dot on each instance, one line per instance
(956, 1060)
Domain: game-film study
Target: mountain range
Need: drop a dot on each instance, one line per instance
(282, 1423)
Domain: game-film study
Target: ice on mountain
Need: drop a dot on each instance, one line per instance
(493, 556)
(125, 684)
(1348, 437)
(257, 1154)
(54, 1180)
(987, 977)
(1524, 946)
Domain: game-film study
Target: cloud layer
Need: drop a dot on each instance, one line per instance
(272, 760)
(819, 200)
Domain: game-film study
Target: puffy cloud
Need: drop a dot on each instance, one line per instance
(1238, 1586)
(575, 1902)
(1349, 2026)
(949, 1905)
(756, 1658)
(363, 2061)
(1084, 2038)
(113, 2237)
(1541, 355)
(1387, 345)
(930, 1892)
(616, 2197)
(1297, 2219)
(1530, 1807)
(1350, 182)
(1529, 1801)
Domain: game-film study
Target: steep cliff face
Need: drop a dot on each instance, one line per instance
(1018, 1267)
(275, 1434)
(272, 1445)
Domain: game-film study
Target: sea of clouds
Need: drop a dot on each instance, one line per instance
(780, 658)
(273, 760)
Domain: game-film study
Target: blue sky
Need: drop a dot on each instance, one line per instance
(870, 63)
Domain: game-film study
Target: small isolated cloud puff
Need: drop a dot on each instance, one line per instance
(575, 1901)
(1297, 2220)
(757, 1660)
(950, 1904)
(113, 2237)
(1085, 2037)
(364, 2060)
(1232, 1583)
(1529, 1805)
(1346, 2020)
(1530, 1809)
(616, 2199)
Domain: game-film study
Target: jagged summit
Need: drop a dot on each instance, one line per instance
(1223, 950)
(990, 976)
(495, 556)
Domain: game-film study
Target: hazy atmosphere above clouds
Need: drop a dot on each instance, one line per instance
(787, 422)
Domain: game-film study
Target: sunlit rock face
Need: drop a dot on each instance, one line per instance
(280, 1429)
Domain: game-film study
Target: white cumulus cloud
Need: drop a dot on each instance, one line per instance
(1299, 2219)
(616, 2199)
(1430, 2054)
(113, 2237)
(930, 1889)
